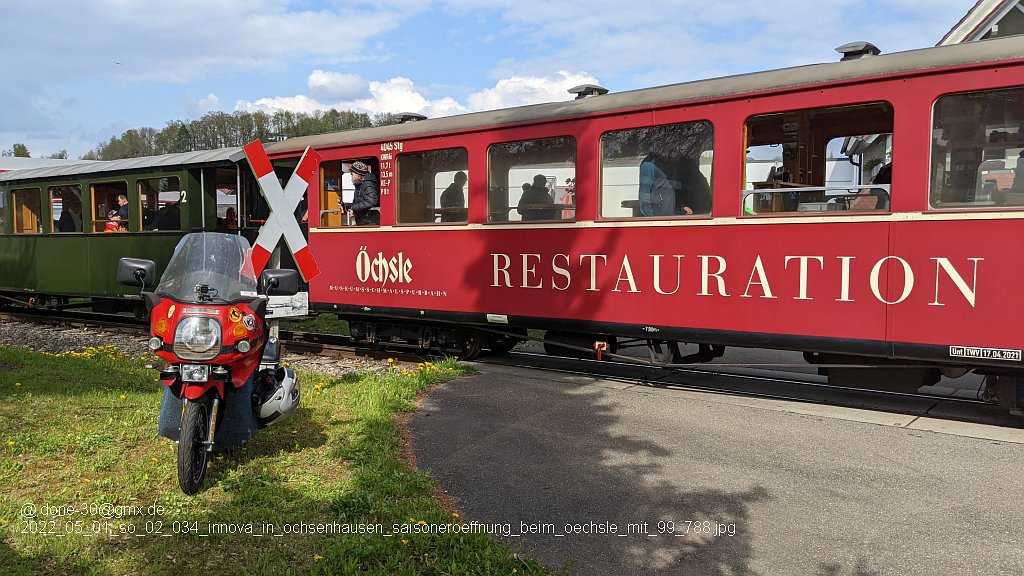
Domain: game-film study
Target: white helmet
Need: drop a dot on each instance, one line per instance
(279, 397)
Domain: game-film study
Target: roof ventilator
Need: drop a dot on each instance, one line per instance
(404, 117)
(857, 50)
(587, 90)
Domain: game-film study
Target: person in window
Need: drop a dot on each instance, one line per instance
(657, 196)
(301, 211)
(454, 197)
(69, 221)
(535, 197)
(365, 206)
(694, 194)
(230, 218)
(884, 175)
(122, 208)
(1018, 174)
(113, 223)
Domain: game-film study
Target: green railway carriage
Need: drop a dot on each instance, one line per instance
(61, 233)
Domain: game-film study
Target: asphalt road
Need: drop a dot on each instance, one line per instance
(702, 483)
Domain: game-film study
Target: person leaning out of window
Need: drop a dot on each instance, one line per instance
(365, 206)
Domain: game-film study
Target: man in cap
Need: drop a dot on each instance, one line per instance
(365, 207)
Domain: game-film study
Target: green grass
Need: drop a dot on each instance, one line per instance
(321, 324)
(79, 430)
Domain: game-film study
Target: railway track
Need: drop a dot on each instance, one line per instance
(777, 381)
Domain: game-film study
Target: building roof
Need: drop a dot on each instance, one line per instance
(82, 168)
(978, 21)
(19, 163)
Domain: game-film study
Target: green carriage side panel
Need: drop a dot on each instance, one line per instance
(18, 269)
(104, 250)
(78, 264)
(62, 264)
(84, 264)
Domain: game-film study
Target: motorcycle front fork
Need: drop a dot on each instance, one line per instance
(212, 424)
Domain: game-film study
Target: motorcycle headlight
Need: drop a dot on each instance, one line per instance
(197, 338)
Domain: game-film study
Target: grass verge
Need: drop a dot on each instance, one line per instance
(90, 489)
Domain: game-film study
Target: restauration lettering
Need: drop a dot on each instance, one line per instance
(594, 272)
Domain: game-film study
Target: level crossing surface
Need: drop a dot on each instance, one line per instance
(671, 481)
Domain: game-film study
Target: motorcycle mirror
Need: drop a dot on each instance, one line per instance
(136, 272)
(279, 282)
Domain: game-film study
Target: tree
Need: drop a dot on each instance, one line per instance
(62, 155)
(220, 130)
(20, 151)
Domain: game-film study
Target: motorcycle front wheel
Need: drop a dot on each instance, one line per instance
(192, 454)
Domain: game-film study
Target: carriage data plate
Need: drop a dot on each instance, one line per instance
(985, 353)
(195, 372)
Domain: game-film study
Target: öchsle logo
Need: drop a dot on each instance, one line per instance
(383, 270)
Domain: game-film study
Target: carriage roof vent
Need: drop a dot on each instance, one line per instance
(587, 90)
(404, 117)
(855, 50)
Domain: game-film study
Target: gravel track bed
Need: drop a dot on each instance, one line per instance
(57, 339)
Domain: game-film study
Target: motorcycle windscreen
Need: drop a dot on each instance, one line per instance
(209, 267)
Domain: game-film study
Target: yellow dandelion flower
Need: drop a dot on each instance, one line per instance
(455, 514)
(404, 541)
(154, 459)
(318, 558)
(10, 442)
(422, 522)
(391, 360)
(514, 571)
(17, 384)
(412, 519)
(87, 481)
(122, 396)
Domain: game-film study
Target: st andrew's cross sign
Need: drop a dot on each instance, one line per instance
(282, 202)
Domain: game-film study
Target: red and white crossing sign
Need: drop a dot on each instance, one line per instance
(282, 202)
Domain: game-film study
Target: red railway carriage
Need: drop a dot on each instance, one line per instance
(708, 212)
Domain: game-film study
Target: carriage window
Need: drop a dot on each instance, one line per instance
(432, 186)
(159, 200)
(978, 150)
(659, 171)
(66, 208)
(532, 180)
(819, 159)
(109, 207)
(337, 193)
(25, 205)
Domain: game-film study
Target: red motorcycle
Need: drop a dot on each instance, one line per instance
(222, 376)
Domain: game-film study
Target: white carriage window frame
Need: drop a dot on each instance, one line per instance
(782, 193)
(412, 186)
(977, 160)
(620, 188)
(558, 173)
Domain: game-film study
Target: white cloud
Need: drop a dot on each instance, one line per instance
(334, 86)
(400, 94)
(201, 106)
(300, 103)
(524, 90)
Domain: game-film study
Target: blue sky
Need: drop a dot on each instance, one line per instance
(77, 73)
